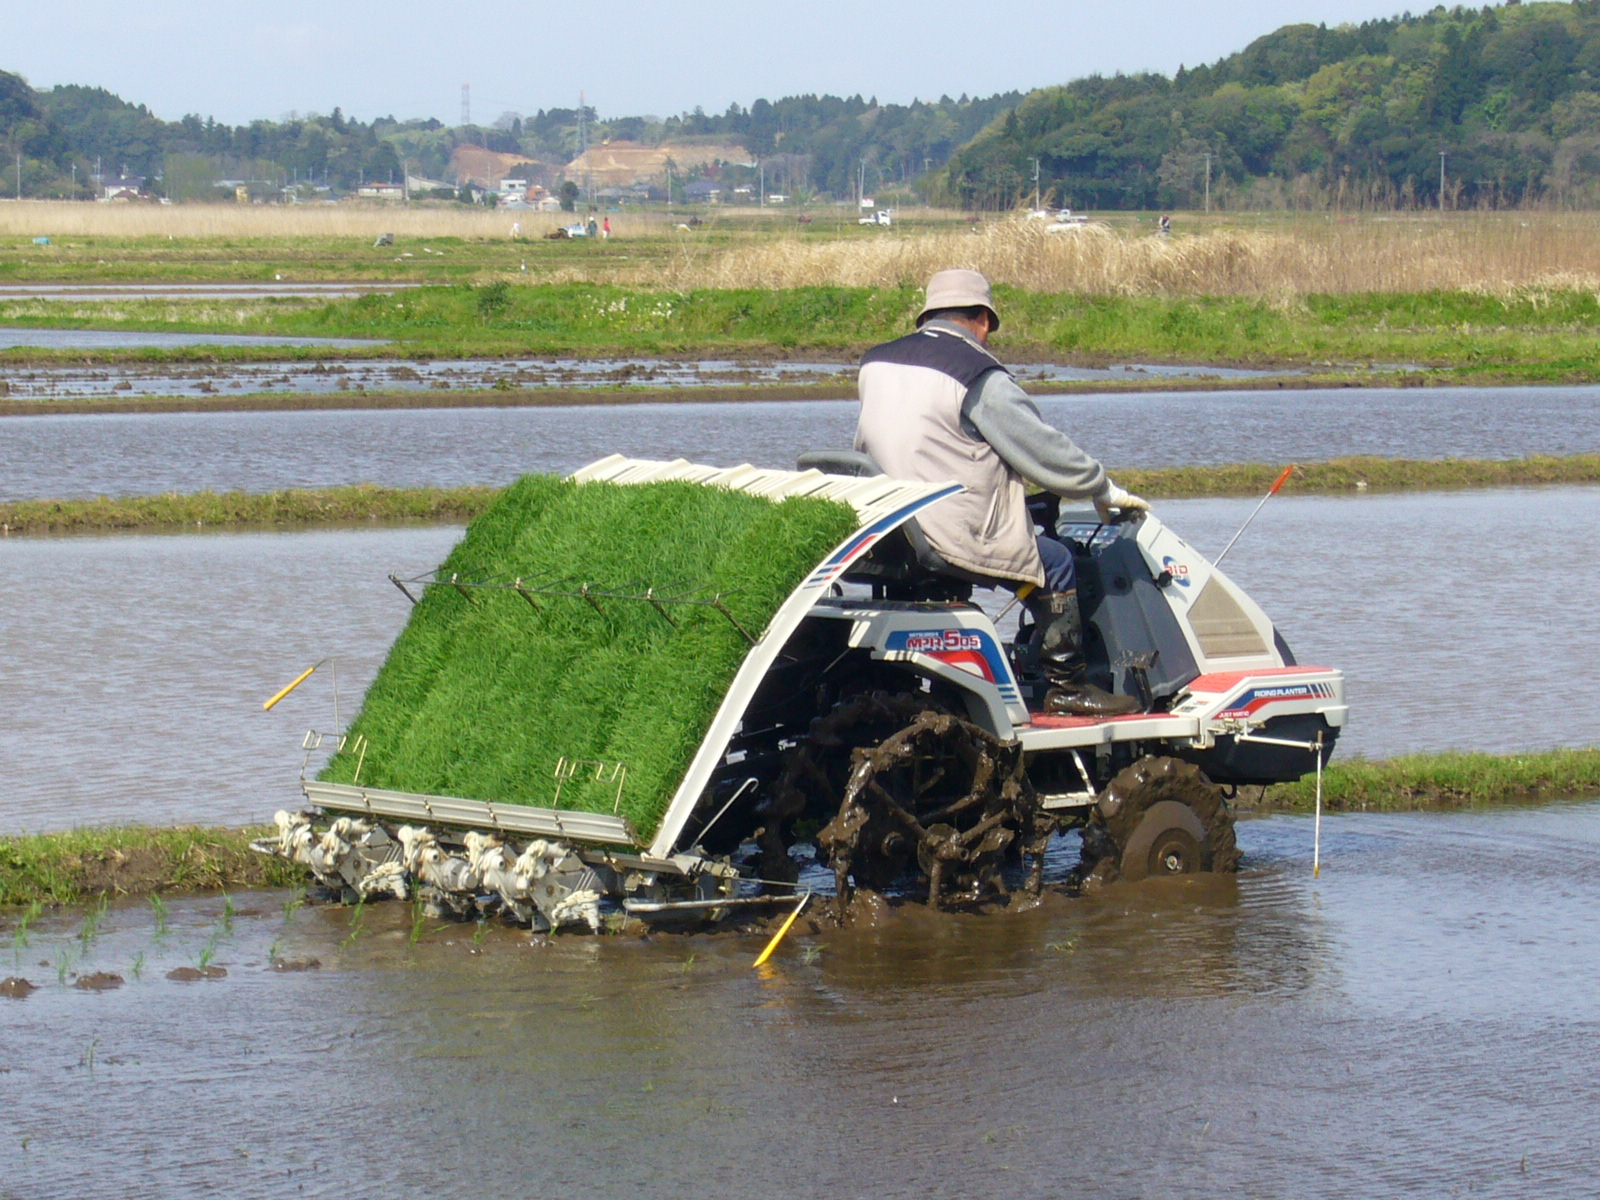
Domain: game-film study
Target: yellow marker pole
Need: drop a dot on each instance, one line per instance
(782, 930)
(298, 680)
(1021, 594)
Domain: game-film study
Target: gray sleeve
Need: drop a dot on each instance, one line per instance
(1006, 417)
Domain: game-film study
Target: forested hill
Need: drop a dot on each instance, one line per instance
(1317, 116)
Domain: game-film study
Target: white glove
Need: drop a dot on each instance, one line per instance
(1116, 501)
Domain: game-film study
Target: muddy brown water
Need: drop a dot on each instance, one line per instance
(140, 454)
(136, 665)
(1400, 1027)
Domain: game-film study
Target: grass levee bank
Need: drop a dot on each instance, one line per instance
(366, 503)
(294, 507)
(1459, 779)
(1543, 332)
(61, 868)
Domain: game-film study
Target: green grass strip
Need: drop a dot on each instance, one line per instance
(321, 506)
(61, 868)
(483, 693)
(1343, 475)
(1443, 781)
(366, 503)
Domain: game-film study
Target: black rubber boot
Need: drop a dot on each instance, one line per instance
(1058, 642)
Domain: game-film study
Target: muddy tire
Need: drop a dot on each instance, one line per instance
(816, 771)
(1160, 816)
(941, 804)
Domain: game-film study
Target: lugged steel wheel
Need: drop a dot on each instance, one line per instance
(1160, 816)
(941, 800)
(816, 771)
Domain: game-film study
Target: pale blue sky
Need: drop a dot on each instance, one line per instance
(241, 60)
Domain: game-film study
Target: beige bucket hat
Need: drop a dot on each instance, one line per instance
(959, 288)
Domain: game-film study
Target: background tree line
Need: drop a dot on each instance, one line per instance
(1314, 116)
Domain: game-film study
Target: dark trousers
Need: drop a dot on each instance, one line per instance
(1060, 575)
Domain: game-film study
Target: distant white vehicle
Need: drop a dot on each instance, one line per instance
(776, 198)
(867, 202)
(1065, 220)
(881, 217)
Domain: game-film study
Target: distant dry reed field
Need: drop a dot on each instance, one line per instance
(1236, 254)
(244, 221)
(1470, 252)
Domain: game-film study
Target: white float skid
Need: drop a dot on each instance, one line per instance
(1220, 687)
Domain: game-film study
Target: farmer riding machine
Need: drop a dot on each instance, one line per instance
(871, 728)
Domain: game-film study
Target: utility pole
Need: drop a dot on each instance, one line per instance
(19, 177)
(1208, 181)
(1035, 162)
(1441, 180)
(762, 167)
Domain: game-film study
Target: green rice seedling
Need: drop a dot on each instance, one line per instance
(810, 954)
(358, 924)
(138, 965)
(419, 918)
(64, 961)
(228, 911)
(159, 907)
(92, 917)
(481, 932)
(294, 903)
(208, 952)
(19, 937)
(483, 693)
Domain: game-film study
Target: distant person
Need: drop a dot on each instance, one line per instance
(605, 229)
(593, 228)
(936, 406)
(1165, 224)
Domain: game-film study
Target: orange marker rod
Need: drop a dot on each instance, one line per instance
(1271, 492)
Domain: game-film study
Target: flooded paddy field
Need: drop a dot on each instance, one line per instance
(61, 457)
(14, 338)
(1399, 1027)
(137, 664)
(131, 380)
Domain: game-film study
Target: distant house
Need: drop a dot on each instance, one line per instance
(706, 191)
(123, 187)
(382, 191)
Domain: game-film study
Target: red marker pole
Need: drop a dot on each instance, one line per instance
(1271, 492)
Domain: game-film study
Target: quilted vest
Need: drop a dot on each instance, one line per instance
(911, 396)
